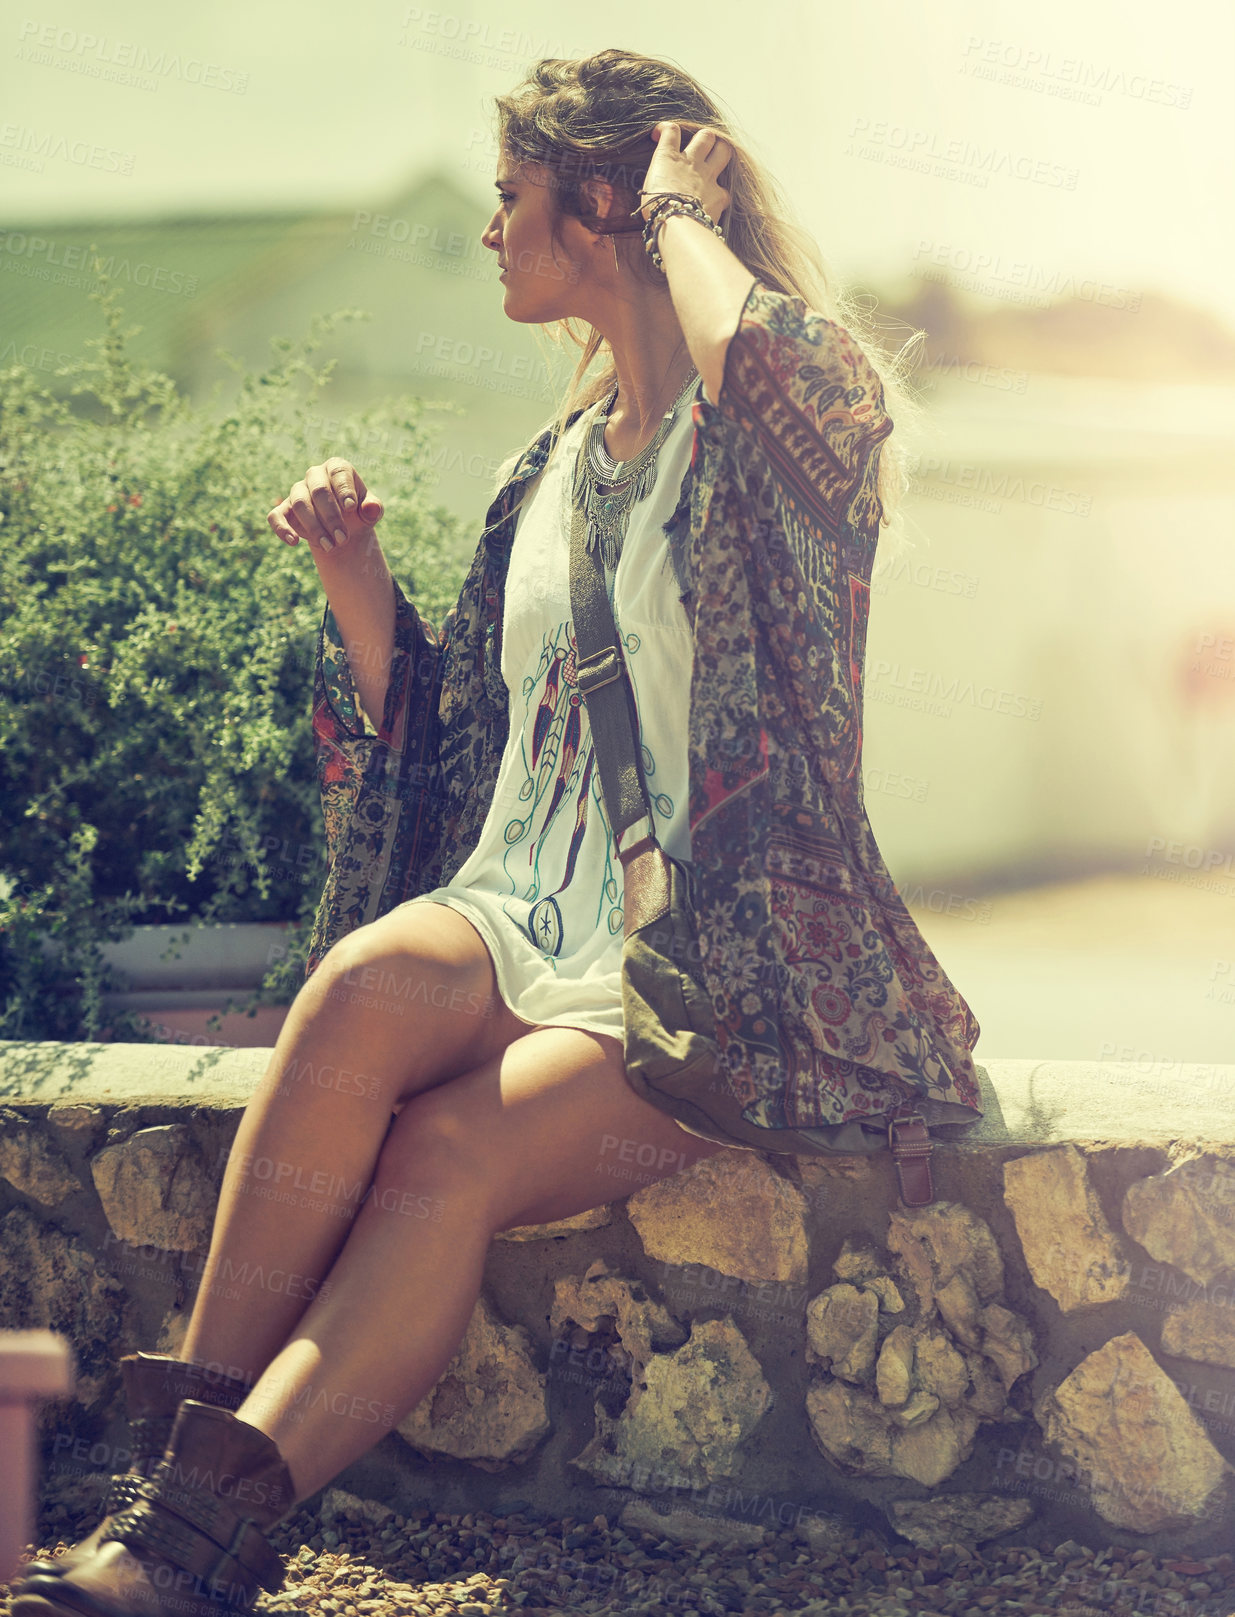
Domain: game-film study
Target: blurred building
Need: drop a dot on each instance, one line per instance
(1050, 667)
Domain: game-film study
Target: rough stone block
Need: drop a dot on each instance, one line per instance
(1070, 1249)
(155, 1189)
(1120, 1419)
(732, 1212)
(1186, 1216)
(488, 1406)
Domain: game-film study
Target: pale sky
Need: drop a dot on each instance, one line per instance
(1093, 141)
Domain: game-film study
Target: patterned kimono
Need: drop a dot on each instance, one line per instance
(830, 1007)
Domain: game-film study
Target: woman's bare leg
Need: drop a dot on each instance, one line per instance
(394, 1008)
(528, 1136)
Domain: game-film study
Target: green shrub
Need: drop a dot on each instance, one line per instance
(156, 659)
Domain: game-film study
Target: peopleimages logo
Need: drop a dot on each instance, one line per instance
(125, 61)
(31, 147)
(1073, 78)
(992, 483)
(954, 155)
(979, 267)
(1206, 869)
(61, 263)
(935, 687)
(1191, 855)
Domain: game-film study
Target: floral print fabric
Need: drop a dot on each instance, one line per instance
(830, 1007)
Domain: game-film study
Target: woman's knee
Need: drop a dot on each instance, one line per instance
(367, 970)
(433, 1150)
(412, 969)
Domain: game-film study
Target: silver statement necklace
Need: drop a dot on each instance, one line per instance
(607, 489)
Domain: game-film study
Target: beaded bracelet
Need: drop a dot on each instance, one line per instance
(667, 204)
(664, 207)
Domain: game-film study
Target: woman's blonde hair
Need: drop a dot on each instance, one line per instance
(592, 119)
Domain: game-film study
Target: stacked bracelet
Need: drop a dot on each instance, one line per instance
(668, 203)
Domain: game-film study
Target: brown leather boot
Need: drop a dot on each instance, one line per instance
(154, 1386)
(193, 1543)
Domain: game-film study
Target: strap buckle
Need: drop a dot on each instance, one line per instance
(598, 668)
(632, 839)
(910, 1143)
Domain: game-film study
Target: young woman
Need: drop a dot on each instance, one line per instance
(453, 1066)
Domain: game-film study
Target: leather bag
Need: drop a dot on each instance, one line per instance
(671, 1054)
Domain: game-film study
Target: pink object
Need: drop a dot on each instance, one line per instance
(33, 1365)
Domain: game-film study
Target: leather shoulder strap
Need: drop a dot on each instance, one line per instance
(603, 679)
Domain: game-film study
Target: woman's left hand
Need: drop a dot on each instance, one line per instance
(692, 171)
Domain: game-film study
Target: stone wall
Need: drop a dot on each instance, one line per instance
(1048, 1348)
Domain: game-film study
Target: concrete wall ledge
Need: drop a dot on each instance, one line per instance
(1025, 1101)
(1047, 1350)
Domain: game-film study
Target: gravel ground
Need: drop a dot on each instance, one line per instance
(430, 1563)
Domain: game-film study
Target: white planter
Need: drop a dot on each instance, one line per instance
(191, 965)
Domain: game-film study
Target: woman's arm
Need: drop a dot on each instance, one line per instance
(360, 591)
(709, 286)
(327, 509)
(708, 283)
(795, 382)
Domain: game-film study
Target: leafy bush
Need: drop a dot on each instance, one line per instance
(156, 659)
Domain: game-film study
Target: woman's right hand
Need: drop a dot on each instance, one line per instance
(329, 508)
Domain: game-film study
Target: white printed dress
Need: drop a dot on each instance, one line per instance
(543, 886)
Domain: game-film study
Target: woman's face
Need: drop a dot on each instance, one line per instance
(539, 279)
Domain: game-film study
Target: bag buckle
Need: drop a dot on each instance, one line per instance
(598, 668)
(910, 1143)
